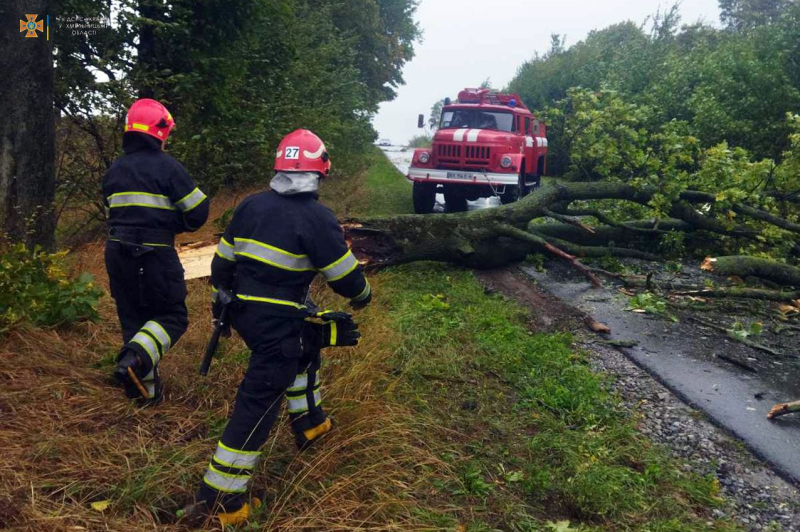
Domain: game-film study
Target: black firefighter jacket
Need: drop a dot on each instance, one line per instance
(274, 247)
(149, 191)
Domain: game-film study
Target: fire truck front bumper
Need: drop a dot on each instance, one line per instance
(465, 177)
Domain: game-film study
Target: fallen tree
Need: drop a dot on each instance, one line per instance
(546, 222)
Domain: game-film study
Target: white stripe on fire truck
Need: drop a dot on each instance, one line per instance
(472, 136)
(458, 136)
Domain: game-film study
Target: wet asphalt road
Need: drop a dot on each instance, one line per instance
(681, 356)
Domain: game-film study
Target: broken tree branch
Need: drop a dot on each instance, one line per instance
(569, 220)
(781, 409)
(523, 236)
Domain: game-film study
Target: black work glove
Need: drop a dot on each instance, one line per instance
(340, 333)
(358, 305)
(332, 315)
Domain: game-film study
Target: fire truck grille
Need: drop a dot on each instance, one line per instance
(449, 152)
(477, 154)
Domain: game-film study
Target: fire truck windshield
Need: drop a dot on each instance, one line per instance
(477, 119)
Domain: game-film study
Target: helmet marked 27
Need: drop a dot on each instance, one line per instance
(302, 151)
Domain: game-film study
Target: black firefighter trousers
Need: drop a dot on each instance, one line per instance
(278, 366)
(148, 287)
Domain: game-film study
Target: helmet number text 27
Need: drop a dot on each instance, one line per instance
(292, 152)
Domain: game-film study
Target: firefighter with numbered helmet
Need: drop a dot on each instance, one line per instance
(275, 245)
(150, 198)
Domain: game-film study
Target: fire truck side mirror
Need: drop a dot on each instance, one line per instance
(421, 121)
(535, 129)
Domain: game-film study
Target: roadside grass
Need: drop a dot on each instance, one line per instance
(381, 190)
(451, 416)
(531, 430)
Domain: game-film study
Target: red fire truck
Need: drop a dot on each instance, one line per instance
(487, 144)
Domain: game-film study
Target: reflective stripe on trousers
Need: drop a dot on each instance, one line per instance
(153, 338)
(233, 458)
(225, 482)
(297, 394)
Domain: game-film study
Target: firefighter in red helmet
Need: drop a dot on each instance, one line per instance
(276, 243)
(150, 197)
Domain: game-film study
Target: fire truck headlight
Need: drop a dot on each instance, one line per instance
(424, 157)
(505, 162)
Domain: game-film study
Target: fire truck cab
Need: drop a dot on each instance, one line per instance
(487, 144)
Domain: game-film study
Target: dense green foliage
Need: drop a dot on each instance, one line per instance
(604, 137)
(699, 108)
(731, 85)
(237, 76)
(35, 288)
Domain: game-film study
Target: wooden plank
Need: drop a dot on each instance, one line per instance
(197, 261)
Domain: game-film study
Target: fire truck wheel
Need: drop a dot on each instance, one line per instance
(515, 193)
(424, 195)
(454, 200)
(510, 195)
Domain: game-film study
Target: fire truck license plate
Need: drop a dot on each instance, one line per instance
(459, 175)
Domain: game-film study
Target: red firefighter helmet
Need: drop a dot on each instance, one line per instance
(149, 117)
(302, 151)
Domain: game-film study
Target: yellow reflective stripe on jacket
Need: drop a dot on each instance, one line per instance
(160, 334)
(140, 199)
(271, 300)
(340, 268)
(214, 294)
(253, 249)
(191, 200)
(232, 458)
(225, 250)
(225, 482)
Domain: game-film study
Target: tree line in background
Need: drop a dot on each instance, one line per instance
(735, 84)
(237, 76)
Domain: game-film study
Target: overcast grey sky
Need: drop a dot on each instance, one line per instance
(467, 41)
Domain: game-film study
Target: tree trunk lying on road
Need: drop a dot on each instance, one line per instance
(743, 266)
(495, 237)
